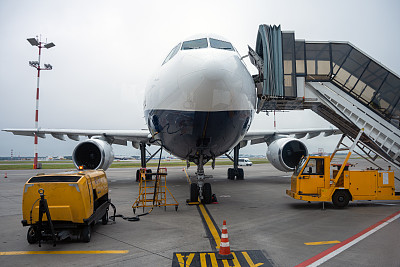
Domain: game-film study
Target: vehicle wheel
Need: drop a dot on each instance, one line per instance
(194, 192)
(32, 235)
(231, 175)
(86, 234)
(340, 199)
(104, 219)
(148, 175)
(207, 193)
(240, 175)
(137, 175)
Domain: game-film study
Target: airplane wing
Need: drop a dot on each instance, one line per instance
(119, 137)
(257, 137)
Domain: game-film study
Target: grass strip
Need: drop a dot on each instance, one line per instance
(116, 164)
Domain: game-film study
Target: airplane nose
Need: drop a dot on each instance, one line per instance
(213, 70)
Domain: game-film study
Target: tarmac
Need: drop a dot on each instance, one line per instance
(265, 226)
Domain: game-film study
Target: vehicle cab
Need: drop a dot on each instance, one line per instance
(309, 176)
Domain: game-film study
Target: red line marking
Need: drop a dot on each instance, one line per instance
(329, 250)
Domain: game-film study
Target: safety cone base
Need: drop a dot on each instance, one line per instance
(224, 257)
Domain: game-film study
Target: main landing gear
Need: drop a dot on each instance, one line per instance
(235, 171)
(200, 190)
(238, 173)
(143, 161)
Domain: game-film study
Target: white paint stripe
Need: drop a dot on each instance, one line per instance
(355, 241)
(224, 235)
(224, 244)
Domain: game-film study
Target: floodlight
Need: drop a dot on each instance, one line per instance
(48, 66)
(34, 63)
(33, 41)
(49, 45)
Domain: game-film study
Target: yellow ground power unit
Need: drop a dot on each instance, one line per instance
(57, 206)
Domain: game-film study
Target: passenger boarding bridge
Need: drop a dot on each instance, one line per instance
(336, 80)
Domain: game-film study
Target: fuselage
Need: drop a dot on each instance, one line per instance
(202, 99)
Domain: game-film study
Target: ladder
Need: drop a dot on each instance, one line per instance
(153, 193)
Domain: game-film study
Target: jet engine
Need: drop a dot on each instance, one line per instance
(94, 154)
(285, 153)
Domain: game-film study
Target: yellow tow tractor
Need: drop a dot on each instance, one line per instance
(312, 181)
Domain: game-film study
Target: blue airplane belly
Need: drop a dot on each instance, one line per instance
(186, 134)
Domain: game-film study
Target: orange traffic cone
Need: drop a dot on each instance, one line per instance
(5, 175)
(224, 247)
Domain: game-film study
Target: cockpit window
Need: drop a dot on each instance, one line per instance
(195, 44)
(172, 53)
(214, 43)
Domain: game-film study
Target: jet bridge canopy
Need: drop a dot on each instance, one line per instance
(340, 63)
(336, 80)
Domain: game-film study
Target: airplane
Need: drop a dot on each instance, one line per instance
(199, 105)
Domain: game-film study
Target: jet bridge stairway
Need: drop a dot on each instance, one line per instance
(334, 79)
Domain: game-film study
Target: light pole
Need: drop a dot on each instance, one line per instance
(36, 65)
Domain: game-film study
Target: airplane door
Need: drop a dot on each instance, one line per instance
(312, 177)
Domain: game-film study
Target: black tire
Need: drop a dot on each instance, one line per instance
(137, 175)
(32, 235)
(240, 175)
(86, 234)
(340, 199)
(231, 174)
(148, 175)
(104, 219)
(194, 193)
(207, 193)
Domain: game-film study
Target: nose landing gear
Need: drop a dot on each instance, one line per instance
(200, 190)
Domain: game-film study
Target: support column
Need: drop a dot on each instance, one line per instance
(143, 155)
(236, 157)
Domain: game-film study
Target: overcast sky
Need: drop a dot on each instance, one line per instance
(106, 51)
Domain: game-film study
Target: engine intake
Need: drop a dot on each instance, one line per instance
(93, 154)
(285, 153)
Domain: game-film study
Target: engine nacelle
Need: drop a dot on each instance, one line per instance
(285, 153)
(93, 154)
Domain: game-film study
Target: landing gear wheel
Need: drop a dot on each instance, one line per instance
(231, 174)
(86, 234)
(240, 175)
(32, 235)
(194, 193)
(340, 199)
(148, 175)
(137, 175)
(207, 193)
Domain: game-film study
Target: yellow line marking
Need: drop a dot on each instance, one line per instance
(64, 252)
(213, 260)
(249, 261)
(235, 260)
(211, 226)
(181, 259)
(322, 243)
(190, 182)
